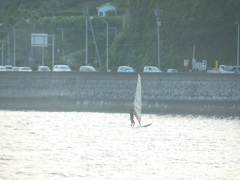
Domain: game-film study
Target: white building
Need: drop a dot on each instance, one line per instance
(105, 8)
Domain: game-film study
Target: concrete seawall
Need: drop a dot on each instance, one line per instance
(182, 93)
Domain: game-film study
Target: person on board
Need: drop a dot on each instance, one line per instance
(132, 118)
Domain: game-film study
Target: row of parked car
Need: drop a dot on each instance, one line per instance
(150, 69)
(40, 68)
(120, 69)
(57, 68)
(11, 68)
(65, 68)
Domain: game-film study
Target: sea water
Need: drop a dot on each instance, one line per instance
(78, 145)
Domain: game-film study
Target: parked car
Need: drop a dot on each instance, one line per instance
(87, 69)
(61, 68)
(172, 71)
(151, 69)
(125, 69)
(26, 69)
(226, 69)
(8, 67)
(15, 68)
(235, 69)
(43, 68)
(2, 68)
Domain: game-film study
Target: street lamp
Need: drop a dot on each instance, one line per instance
(106, 43)
(158, 13)
(86, 13)
(62, 44)
(106, 46)
(237, 47)
(14, 43)
(2, 51)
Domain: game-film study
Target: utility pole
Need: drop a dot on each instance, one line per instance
(237, 46)
(158, 13)
(194, 51)
(86, 13)
(2, 51)
(193, 59)
(14, 47)
(95, 43)
(9, 58)
(53, 49)
(62, 44)
(106, 45)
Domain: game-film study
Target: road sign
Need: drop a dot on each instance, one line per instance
(39, 40)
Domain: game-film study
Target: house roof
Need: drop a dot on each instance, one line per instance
(108, 5)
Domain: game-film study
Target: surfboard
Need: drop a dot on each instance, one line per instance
(147, 125)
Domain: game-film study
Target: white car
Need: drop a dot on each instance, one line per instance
(43, 68)
(87, 69)
(8, 67)
(61, 68)
(151, 69)
(125, 69)
(15, 68)
(226, 69)
(2, 68)
(172, 71)
(26, 69)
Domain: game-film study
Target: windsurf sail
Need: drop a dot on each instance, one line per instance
(137, 105)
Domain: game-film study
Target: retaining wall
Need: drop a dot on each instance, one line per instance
(181, 93)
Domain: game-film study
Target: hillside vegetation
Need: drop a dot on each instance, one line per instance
(209, 25)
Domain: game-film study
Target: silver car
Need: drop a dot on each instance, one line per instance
(16, 68)
(2, 68)
(172, 71)
(26, 69)
(8, 67)
(151, 69)
(43, 68)
(125, 69)
(61, 68)
(87, 69)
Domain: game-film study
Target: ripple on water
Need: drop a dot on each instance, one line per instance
(74, 145)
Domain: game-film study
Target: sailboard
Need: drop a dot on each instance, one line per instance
(137, 104)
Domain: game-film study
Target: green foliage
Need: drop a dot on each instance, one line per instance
(209, 25)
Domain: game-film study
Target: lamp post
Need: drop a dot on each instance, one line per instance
(86, 13)
(106, 46)
(237, 47)
(106, 42)
(2, 51)
(14, 47)
(53, 49)
(158, 13)
(14, 43)
(95, 43)
(62, 44)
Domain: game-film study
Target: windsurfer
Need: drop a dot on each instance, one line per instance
(131, 118)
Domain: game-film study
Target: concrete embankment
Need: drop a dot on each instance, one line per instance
(182, 93)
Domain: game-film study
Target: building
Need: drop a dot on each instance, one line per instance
(103, 9)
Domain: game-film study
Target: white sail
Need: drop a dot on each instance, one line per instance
(137, 105)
